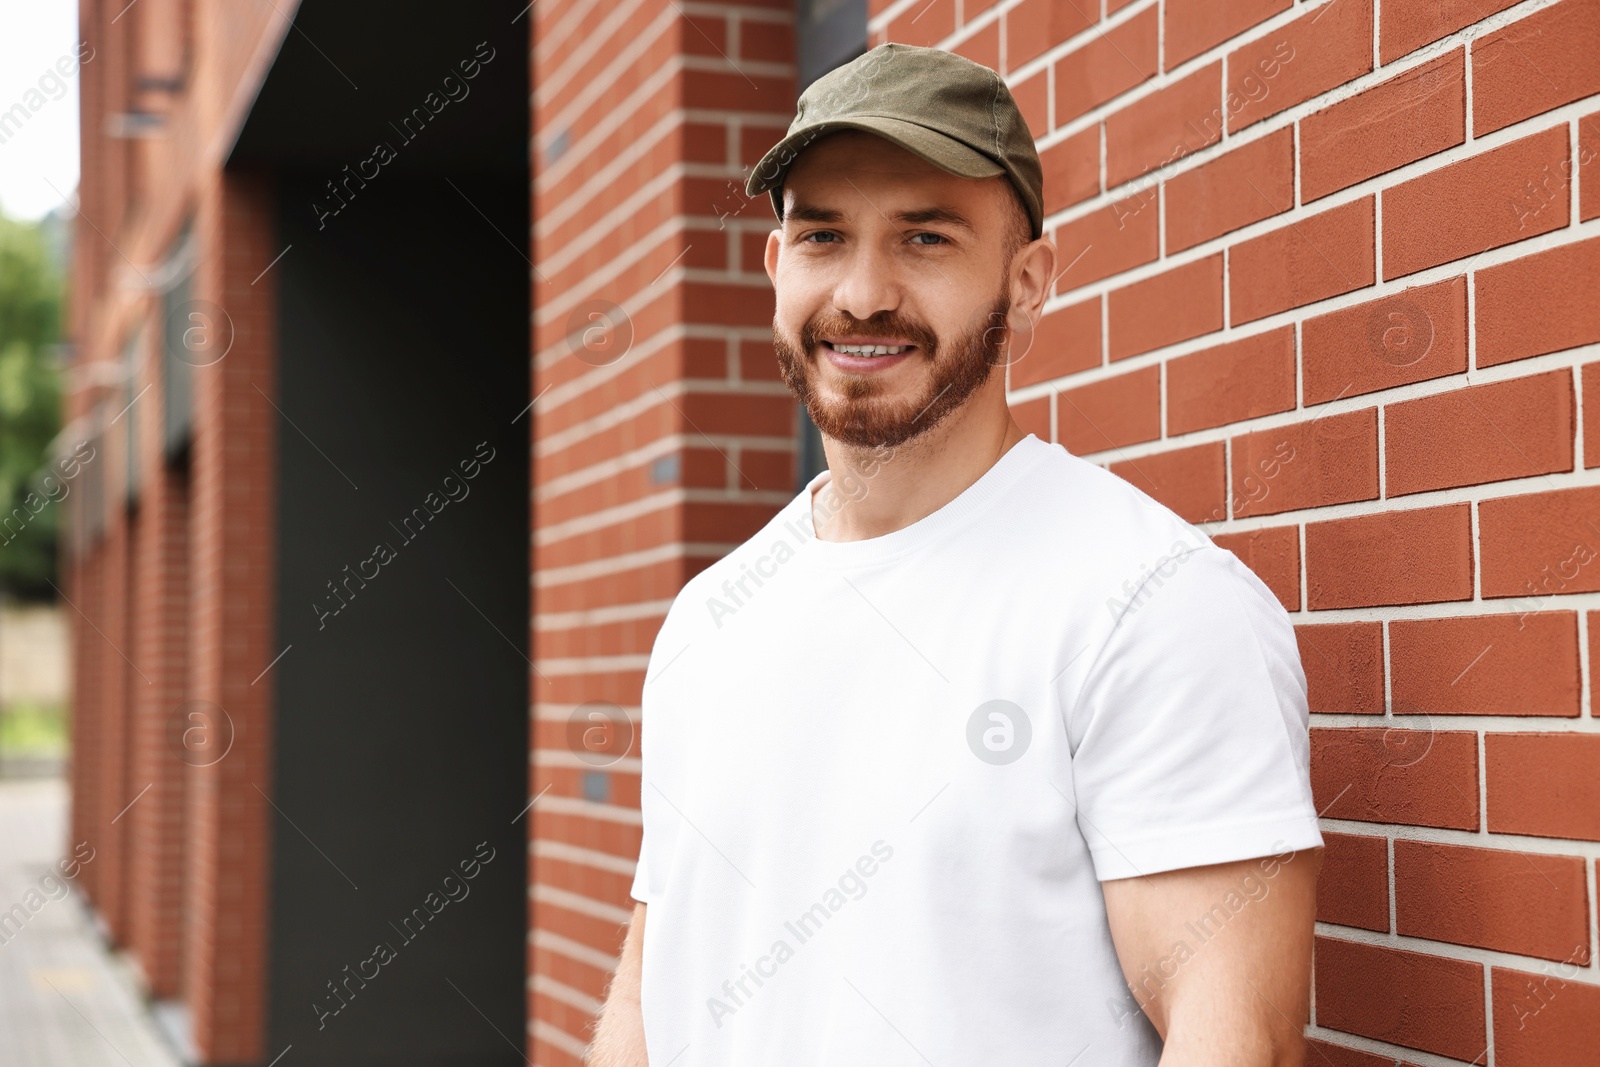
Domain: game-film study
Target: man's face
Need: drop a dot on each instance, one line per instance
(881, 247)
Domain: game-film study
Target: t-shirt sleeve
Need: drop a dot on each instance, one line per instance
(1190, 731)
(640, 890)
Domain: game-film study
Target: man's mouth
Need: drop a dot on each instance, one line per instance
(863, 349)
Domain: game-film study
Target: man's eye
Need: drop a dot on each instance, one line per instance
(939, 238)
(818, 233)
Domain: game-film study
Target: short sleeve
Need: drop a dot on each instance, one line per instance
(640, 890)
(1189, 733)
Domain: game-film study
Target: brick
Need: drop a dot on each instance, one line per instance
(1411, 336)
(1486, 665)
(927, 24)
(1353, 886)
(1319, 51)
(982, 47)
(1034, 416)
(1481, 433)
(1110, 413)
(1413, 776)
(1187, 480)
(1231, 382)
(1407, 118)
(1243, 186)
(1165, 126)
(1537, 545)
(1421, 556)
(1590, 385)
(1035, 25)
(1106, 67)
(1329, 460)
(1543, 784)
(1033, 100)
(1543, 1018)
(1176, 305)
(1522, 902)
(1107, 241)
(1535, 64)
(1274, 555)
(1495, 198)
(1071, 170)
(1065, 341)
(1343, 663)
(1539, 303)
(1589, 167)
(1193, 26)
(1331, 1055)
(1406, 25)
(1303, 262)
(1405, 998)
(770, 42)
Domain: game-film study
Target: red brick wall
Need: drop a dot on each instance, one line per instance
(174, 598)
(1363, 230)
(233, 623)
(647, 465)
(159, 646)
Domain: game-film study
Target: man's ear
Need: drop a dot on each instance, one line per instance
(774, 243)
(1036, 276)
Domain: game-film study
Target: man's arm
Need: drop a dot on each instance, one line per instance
(619, 1034)
(1219, 957)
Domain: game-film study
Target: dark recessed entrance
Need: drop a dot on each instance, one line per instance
(396, 135)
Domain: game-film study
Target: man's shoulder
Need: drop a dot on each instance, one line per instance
(1085, 516)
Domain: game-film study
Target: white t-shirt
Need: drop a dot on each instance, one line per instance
(883, 779)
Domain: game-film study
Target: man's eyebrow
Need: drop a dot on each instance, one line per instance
(935, 214)
(812, 213)
(815, 213)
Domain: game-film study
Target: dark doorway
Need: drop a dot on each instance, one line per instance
(396, 135)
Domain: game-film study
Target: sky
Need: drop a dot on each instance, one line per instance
(43, 150)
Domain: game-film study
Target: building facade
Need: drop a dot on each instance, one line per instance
(422, 353)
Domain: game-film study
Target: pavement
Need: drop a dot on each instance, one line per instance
(66, 1000)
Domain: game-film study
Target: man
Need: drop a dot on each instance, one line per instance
(975, 754)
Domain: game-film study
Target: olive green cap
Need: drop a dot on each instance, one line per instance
(952, 112)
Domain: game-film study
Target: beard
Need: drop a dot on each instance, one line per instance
(864, 415)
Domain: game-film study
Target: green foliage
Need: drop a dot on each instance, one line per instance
(33, 730)
(30, 406)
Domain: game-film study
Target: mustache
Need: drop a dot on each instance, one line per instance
(821, 326)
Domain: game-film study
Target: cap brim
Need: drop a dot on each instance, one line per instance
(941, 150)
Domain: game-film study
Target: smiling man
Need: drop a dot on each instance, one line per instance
(975, 753)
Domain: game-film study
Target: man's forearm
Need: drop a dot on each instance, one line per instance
(1244, 1042)
(619, 1033)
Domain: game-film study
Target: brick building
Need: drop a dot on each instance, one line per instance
(423, 352)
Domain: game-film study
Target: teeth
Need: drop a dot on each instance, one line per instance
(871, 350)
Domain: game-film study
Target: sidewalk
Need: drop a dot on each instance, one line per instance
(64, 1000)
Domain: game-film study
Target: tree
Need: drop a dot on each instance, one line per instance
(30, 406)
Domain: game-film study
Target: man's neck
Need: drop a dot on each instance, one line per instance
(872, 492)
